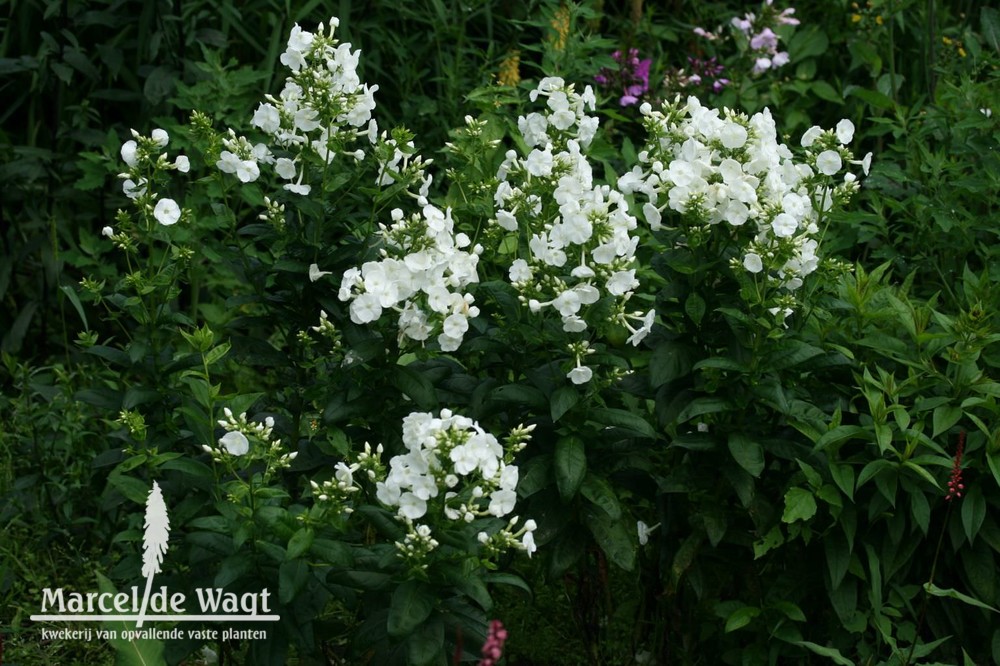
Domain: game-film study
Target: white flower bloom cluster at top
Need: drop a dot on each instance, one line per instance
(323, 107)
(141, 154)
(577, 233)
(730, 170)
(453, 457)
(423, 273)
(236, 443)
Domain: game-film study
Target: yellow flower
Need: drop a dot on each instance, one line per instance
(509, 73)
(879, 20)
(560, 23)
(855, 18)
(961, 51)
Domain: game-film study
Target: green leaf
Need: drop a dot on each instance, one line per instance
(620, 418)
(520, 394)
(838, 557)
(807, 42)
(200, 389)
(563, 399)
(920, 508)
(217, 352)
(741, 617)
(980, 570)
(14, 337)
(130, 487)
(954, 594)
(973, 512)
(292, 577)
(570, 465)
(799, 505)
(749, 454)
(694, 306)
(700, 406)
(300, 542)
(137, 652)
(75, 302)
(790, 610)
(669, 361)
(832, 653)
(618, 541)
(110, 354)
(872, 97)
(843, 476)
(989, 19)
(412, 603)
(159, 85)
(600, 493)
(993, 460)
(426, 644)
(508, 579)
(922, 473)
(825, 91)
(945, 417)
(872, 469)
(415, 385)
(332, 552)
(791, 353)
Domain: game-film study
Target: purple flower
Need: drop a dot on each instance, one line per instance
(631, 77)
(765, 40)
(786, 18)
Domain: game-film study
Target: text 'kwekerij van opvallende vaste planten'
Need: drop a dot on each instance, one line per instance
(543, 334)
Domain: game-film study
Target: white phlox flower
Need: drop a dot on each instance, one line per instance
(574, 235)
(721, 169)
(453, 470)
(167, 212)
(423, 277)
(323, 109)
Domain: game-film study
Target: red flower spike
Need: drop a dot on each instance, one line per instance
(955, 485)
(493, 647)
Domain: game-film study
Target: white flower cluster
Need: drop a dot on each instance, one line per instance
(142, 154)
(575, 234)
(423, 273)
(453, 458)
(334, 492)
(236, 443)
(323, 107)
(241, 157)
(730, 170)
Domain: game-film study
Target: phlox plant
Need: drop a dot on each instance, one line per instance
(314, 139)
(381, 323)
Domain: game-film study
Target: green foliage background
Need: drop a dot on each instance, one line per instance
(801, 528)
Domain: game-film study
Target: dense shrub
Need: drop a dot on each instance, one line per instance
(660, 336)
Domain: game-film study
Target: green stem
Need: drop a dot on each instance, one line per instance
(930, 581)
(892, 56)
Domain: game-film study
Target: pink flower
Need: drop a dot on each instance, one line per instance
(955, 485)
(493, 647)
